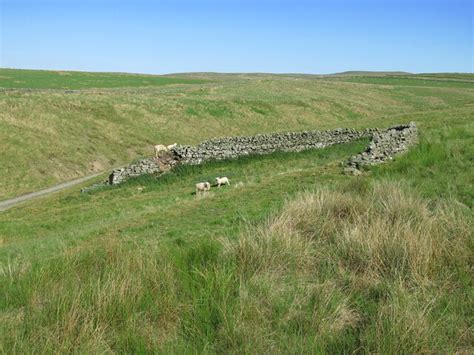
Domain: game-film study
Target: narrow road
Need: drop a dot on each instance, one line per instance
(6, 204)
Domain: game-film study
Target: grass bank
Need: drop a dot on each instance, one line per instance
(52, 136)
(294, 257)
(75, 80)
(363, 267)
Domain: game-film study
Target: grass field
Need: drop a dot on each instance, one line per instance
(455, 81)
(50, 136)
(294, 257)
(69, 80)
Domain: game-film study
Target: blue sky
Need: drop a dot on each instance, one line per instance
(279, 36)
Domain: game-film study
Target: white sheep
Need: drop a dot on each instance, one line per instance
(202, 187)
(222, 180)
(171, 146)
(160, 148)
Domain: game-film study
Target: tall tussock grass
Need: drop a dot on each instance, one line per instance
(360, 269)
(369, 269)
(384, 233)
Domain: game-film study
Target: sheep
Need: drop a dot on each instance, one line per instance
(222, 180)
(202, 187)
(160, 148)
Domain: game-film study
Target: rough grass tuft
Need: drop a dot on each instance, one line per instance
(335, 263)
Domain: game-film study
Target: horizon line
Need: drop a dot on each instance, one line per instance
(401, 72)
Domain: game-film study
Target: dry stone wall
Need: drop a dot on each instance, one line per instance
(234, 147)
(384, 145)
(154, 166)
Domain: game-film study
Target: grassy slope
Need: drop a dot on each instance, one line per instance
(67, 80)
(147, 266)
(125, 207)
(51, 136)
(456, 81)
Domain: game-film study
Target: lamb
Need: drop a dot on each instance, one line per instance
(202, 187)
(222, 180)
(160, 148)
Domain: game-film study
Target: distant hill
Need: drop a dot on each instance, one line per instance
(75, 80)
(369, 73)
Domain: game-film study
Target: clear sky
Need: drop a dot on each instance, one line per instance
(279, 36)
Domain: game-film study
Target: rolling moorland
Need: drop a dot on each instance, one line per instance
(292, 257)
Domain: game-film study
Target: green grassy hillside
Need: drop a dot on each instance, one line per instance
(47, 137)
(293, 257)
(456, 81)
(378, 262)
(71, 80)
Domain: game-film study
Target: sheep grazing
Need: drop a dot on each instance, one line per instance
(171, 146)
(202, 187)
(160, 148)
(222, 181)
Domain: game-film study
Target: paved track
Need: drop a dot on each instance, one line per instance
(6, 204)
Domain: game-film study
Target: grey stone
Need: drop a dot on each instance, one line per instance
(383, 146)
